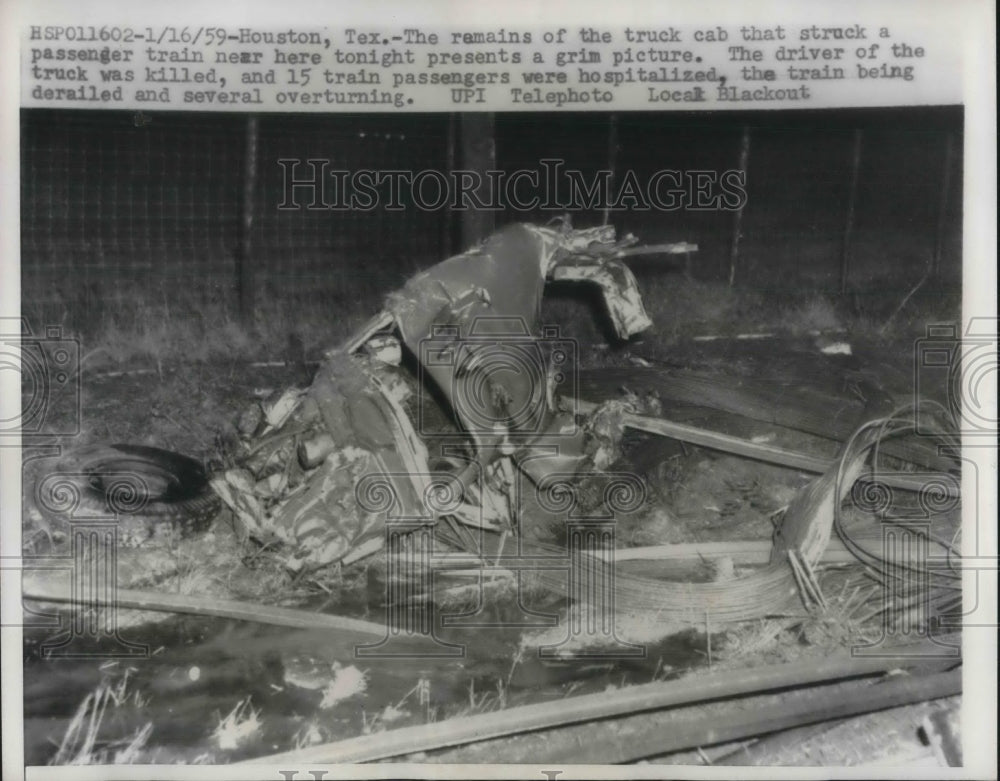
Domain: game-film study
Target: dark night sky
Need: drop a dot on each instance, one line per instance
(107, 198)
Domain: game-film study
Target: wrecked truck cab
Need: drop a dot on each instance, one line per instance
(473, 324)
(345, 455)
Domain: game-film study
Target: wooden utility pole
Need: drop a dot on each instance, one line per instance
(734, 249)
(942, 216)
(852, 199)
(478, 154)
(612, 162)
(448, 238)
(244, 265)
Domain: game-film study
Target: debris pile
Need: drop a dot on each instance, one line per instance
(455, 414)
(325, 466)
(455, 411)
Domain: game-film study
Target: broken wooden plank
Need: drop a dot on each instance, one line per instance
(751, 551)
(673, 248)
(759, 750)
(742, 552)
(604, 705)
(716, 441)
(758, 451)
(793, 405)
(45, 588)
(654, 734)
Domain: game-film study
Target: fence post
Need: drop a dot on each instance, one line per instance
(734, 250)
(942, 217)
(244, 268)
(612, 162)
(478, 154)
(448, 223)
(852, 198)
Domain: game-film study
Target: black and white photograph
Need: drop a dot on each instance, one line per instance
(542, 433)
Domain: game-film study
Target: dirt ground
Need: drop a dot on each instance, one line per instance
(218, 691)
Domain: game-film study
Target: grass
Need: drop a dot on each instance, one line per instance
(787, 284)
(814, 314)
(683, 308)
(203, 341)
(237, 727)
(87, 740)
(145, 328)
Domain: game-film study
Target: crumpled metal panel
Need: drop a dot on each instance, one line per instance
(359, 412)
(621, 292)
(503, 276)
(326, 508)
(472, 322)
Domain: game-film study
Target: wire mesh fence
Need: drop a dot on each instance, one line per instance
(118, 205)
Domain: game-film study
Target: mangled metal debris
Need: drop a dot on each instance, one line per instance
(327, 467)
(471, 325)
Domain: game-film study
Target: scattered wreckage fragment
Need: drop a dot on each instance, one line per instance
(330, 465)
(326, 466)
